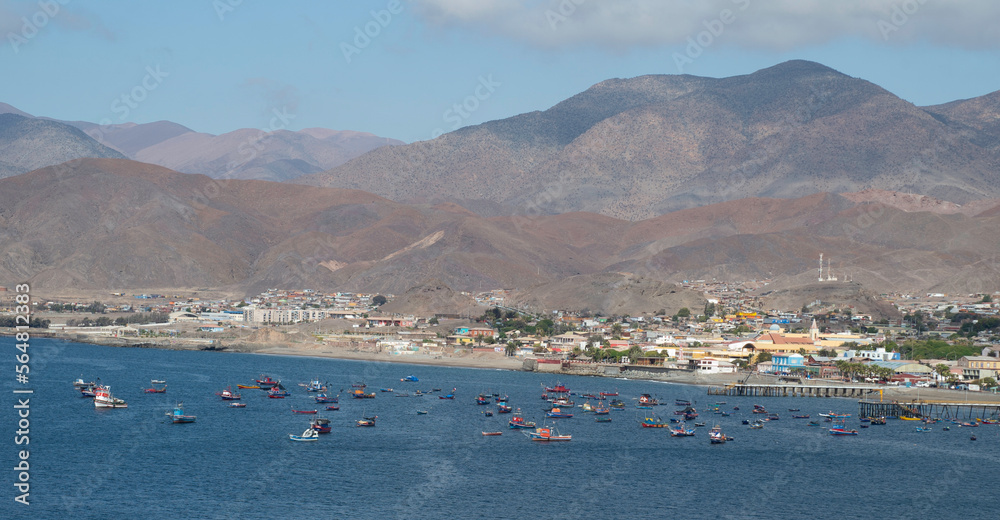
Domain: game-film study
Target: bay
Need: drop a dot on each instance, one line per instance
(239, 463)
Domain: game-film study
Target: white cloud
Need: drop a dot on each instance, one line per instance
(760, 24)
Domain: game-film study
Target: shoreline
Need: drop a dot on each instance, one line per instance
(494, 362)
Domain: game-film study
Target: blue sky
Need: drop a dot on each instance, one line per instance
(216, 66)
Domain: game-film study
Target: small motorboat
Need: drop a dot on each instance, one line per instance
(921, 429)
(546, 434)
(304, 412)
(972, 438)
(602, 418)
(155, 390)
(333, 407)
(491, 434)
(321, 425)
(157, 382)
(229, 395)
(323, 398)
(367, 421)
(449, 396)
(266, 382)
(488, 413)
(248, 387)
(308, 435)
(410, 379)
(80, 383)
(557, 413)
(421, 412)
(503, 408)
(237, 405)
(386, 390)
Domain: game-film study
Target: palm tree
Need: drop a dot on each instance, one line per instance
(511, 348)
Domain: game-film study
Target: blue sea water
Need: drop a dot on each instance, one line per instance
(239, 463)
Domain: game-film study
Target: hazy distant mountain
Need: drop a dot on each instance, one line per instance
(241, 154)
(119, 224)
(636, 148)
(254, 154)
(27, 144)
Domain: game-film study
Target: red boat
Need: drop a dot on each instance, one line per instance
(333, 407)
(277, 393)
(610, 394)
(309, 412)
(155, 390)
(503, 408)
(321, 425)
(558, 388)
(266, 382)
(491, 434)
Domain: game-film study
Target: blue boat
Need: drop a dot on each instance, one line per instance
(410, 379)
(178, 415)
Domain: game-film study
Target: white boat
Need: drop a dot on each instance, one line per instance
(104, 399)
(308, 435)
(157, 382)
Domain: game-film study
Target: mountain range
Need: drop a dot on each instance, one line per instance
(640, 147)
(276, 155)
(117, 224)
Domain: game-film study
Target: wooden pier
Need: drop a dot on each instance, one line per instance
(794, 391)
(929, 410)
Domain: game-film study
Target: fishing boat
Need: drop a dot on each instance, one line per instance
(308, 435)
(449, 396)
(503, 408)
(563, 402)
(321, 425)
(517, 421)
(546, 433)
(835, 415)
(333, 408)
(806, 416)
(501, 398)
(314, 386)
(80, 383)
(653, 422)
(359, 384)
(841, 429)
(793, 409)
(909, 418)
(757, 425)
(248, 387)
(277, 392)
(774, 417)
(648, 400)
(482, 399)
(609, 394)
(813, 423)
(715, 435)
(87, 391)
(922, 429)
(681, 402)
(305, 412)
(359, 393)
(104, 399)
(488, 413)
(178, 417)
(557, 413)
(759, 409)
(643, 407)
(410, 379)
(237, 405)
(228, 395)
(589, 396)
(386, 390)
(602, 418)
(368, 421)
(157, 382)
(559, 388)
(617, 404)
(323, 398)
(266, 382)
(491, 434)
(154, 390)
(422, 412)
(877, 421)
(681, 431)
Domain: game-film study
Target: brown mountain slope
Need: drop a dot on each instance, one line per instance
(639, 147)
(117, 224)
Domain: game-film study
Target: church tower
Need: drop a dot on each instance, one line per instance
(813, 331)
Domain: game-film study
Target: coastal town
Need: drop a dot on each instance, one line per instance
(935, 340)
